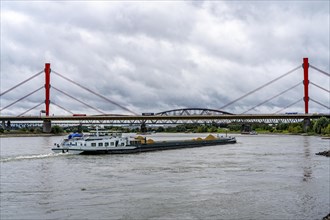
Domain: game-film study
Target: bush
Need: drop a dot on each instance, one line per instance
(56, 129)
(233, 127)
(320, 125)
(202, 129)
(327, 130)
(24, 129)
(295, 129)
(282, 126)
(38, 130)
(160, 129)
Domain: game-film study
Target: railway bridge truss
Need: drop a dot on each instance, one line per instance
(161, 119)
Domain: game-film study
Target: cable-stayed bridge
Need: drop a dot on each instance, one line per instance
(175, 116)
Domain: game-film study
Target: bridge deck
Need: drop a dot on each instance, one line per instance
(158, 119)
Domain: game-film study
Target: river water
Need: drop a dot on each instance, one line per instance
(260, 177)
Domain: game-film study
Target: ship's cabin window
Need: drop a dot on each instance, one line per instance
(106, 144)
(112, 143)
(100, 144)
(93, 144)
(122, 144)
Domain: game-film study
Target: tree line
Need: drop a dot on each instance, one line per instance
(320, 126)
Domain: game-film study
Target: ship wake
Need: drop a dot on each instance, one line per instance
(31, 157)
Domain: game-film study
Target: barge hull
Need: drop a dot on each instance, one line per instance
(162, 146)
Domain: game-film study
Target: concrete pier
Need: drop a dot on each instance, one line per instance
(47, 126)
(307, 124)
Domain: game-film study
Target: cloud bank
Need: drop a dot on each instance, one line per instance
(156, 56)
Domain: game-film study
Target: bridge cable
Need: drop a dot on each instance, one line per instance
(321, 71)
(319, 103)
(30, 109)
(53, 103)
(281, 93)
(78, 100)
(14, 87)
(253, 91)
(328, 91)
(288, 106)
(22, 98)
(101, 96)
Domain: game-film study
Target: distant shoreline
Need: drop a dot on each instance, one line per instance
(5, 135)
(30, 135)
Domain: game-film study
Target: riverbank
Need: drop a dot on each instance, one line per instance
(6, 135)
(40, 134)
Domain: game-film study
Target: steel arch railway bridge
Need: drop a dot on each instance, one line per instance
(193, 111)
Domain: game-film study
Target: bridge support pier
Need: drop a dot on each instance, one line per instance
(143, 127)
(307, 124)
(47, 126)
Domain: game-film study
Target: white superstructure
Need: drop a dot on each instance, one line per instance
(94, 142)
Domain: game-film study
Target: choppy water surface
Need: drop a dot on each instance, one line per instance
(260, 177)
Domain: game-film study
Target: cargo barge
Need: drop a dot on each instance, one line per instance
(115, 143)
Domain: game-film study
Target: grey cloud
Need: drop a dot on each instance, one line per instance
(154, 57)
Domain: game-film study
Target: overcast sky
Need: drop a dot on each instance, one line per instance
(161, 55)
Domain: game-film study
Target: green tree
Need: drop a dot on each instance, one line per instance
(56, 129)
(181, 128)
(160, 129)
(282, 126)
(295, 128)
(320, 125)
(233, 127)
(80, 129)
(327, 130)
(170, 129)
(213, 129)
(202, 129)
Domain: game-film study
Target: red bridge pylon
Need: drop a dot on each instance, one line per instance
(47, 87)
(306, 82)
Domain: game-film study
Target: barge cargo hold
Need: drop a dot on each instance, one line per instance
(115, 143)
